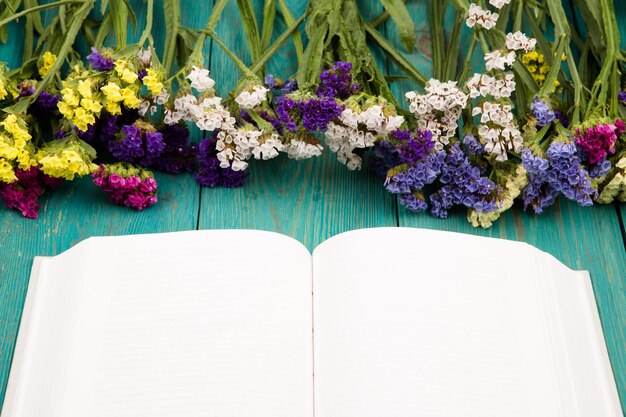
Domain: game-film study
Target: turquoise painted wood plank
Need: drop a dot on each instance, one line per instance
(68, 215)
(581, 238)
(308, 200)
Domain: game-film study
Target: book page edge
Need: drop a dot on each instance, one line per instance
(17, 359)
(601, 342)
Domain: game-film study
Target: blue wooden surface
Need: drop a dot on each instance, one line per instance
(310, 200)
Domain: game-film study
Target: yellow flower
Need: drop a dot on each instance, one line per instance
(70, 97)
(127, 75)
(90, 105)
(82, 119)
(151, 80)
(7, 174)
(7, 151)
(12, 125)
(84, 88)
(66, 110)
(113, 107)
(3, 90)
(65, 160)
(112, 92)
(47, 61)
(130, 98)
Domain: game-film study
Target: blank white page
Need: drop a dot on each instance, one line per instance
(412, 322)
(202, 323)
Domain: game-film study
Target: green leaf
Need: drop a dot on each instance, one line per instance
(119, 18)
(437, 10)
(452, 54)
(172, 25)
(36, 17)
(250, 26)
(103, 31)
(269, 14)
(276, 44)
(401, 17)
(396, 56)
(216, 14)
(148, 28)
(289, 21)
(549, 83)
(312, 59)
(10, 9)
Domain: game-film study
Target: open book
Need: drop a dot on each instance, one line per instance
(389, 322)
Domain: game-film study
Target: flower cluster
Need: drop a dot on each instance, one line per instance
(497, 128)
(597, 142)
(138, 143)
(23, 193)
(16, 148)
(538, 67)
(559, 172)
(127, 185)
(438, 110)
(66, 158)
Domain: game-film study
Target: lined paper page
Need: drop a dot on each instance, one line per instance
(414, 322)
(211, 323)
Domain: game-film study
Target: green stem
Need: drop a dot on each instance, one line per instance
(148, 28)
(242, 67)
(39, 8)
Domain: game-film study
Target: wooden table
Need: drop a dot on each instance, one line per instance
(310, 201)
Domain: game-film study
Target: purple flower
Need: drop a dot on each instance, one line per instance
(127, 185)
(542, 112)
(47, 102)
(413, 202)
(210, 174)
(318, 113)
(597, 142)
(413, 146)
(128, 148)
(337, 81)
(463, 185)
(384, 158)
(99, 62)
(568, 175)
(621, 96)
(473, 145)
(179, 154)
(154, 147)
(142, 73)
(284, 110)
(270, 81)
(23, 194)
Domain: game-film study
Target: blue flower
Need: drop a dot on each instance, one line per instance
(542, 112)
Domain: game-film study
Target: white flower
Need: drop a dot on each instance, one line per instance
(495, 60)
(163, 97)
(172, 117)
(268, 148)
(499, 3)
(344, 140)
(143, 108)
(438, 110)
(250, 99)
(200, 80)
(145, 56)
(479, 16)
(299, 149)
(518, 41)
(485, 85)
(498, 130)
